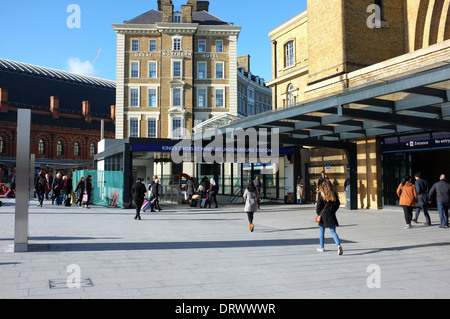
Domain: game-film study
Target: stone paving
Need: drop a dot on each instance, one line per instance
(192, 253)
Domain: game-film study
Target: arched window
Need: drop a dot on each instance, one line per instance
(76, 149)
(2, 145)
(59, 148)
(41, 147)
(289, 58)
(92, 149)
(292, 96)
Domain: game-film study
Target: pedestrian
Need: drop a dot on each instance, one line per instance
(300, 190)
(190, 190)
(48, 189)
(154, 194)
(57, 187)
(442, 190)
(258, 184)
(422, 195)
(39, 187)
(327, 205)
(251, 196)
(212, 192)
(79, 190)
(88, 190)
(138, 191)
(407, 193)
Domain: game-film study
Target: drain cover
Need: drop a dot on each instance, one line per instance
(62, 284)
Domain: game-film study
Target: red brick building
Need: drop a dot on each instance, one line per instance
(67, 114)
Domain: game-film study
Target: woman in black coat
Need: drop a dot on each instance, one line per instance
(88, 190)
(327, 205)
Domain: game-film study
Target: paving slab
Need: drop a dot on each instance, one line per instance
(193, 253)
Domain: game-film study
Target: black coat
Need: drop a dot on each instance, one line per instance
(154, 190)
(139, 190)
(422, 193)
(329, 210)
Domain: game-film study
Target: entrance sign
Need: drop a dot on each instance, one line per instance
(22, 180)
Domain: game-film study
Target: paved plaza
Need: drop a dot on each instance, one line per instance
(190, 253)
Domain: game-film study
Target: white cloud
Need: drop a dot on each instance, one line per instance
(79, 67)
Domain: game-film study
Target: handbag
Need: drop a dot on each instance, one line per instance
(85, 198)
(319, 218)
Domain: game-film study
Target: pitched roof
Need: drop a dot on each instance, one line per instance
(200, 17)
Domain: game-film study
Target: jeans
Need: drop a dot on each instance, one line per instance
(333, 233)
(408, 212)
(425, 212)
(443, 213)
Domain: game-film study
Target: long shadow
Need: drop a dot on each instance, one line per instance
(174, 245)
(368, 251)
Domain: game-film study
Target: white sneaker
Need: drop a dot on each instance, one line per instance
(320, 250)
(407, 226)
(340, 251)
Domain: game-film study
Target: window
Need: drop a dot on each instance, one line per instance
(76, 149)
(177, 18)
(152, 69)
(219, 46)
(151, 128)
(134, 70)
(59, 148)
(176, 96)
(176, 69)
(176, 128)
(201, 70)
(41, 147)
(135, 45)
(152, 98)
(134, 127)
(92, 149)
(289, 54)
(220, 98)
(201, 45)
(2, 145)
(152, 46)
(177, 44)
(134, 97)
(201, 97)
(292, 98)
(219, 70)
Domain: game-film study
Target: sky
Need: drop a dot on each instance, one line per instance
(77, 35)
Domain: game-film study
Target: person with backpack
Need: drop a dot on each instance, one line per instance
(39, 187)
(251, 196)
(327, 205)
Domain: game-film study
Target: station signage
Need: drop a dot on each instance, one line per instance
(415, 144)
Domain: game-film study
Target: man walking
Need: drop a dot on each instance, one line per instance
(442, 190)
(139, 191)
(422, 193)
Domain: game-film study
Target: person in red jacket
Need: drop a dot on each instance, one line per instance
(407, 193)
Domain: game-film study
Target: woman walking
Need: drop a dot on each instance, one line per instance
(327, 205)
(407, 193)
(212, 192)
(79, 190)
(88, 190)
(251, 203)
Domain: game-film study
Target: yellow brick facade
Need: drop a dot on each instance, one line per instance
(335, 48)
(218, 54)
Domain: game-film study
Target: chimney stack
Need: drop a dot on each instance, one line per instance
(167, 10)
(54, 106)
(3, 100)
(186, 15)
(87, 111)
(203, 6)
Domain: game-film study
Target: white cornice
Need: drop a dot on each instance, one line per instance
(297, 18)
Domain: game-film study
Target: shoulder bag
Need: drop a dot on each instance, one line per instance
(319, 218)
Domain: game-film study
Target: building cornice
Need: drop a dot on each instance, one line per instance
(301, 16)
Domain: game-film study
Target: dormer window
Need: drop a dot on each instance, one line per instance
(177, 17)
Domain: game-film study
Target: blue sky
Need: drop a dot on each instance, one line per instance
(36, 32)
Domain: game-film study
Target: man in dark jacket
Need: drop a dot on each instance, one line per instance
(154, 194)
(39, 187)
(139, 190)
(422, 193)
(442, 190)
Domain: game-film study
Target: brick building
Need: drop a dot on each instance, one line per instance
(67, 111)
(335, 47)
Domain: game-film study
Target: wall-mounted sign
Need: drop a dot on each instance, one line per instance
(419, 143)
